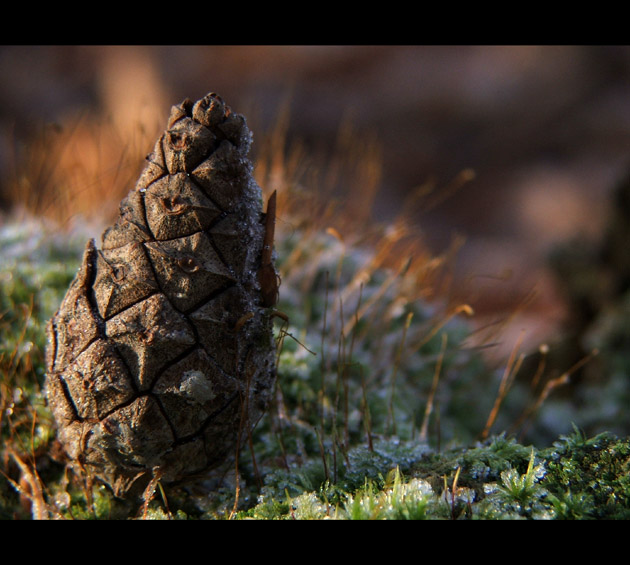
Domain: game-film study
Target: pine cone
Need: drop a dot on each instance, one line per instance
(161, 355)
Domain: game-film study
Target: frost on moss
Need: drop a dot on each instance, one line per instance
(346, 437)
(35, 269)
(578, 478)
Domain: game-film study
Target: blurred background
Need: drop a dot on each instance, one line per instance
(519, 147)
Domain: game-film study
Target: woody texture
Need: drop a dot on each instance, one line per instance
(161, 357)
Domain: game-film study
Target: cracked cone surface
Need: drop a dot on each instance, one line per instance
(161, 356)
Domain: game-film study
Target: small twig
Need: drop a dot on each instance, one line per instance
(543, 350)
(453, 490)
(395, 371)
(550, 386)
(149, 492)
(323, 360)
(39, 508)
(465, 308)
(366, 411)
(436, 376)
(506, 381)
(322, 452)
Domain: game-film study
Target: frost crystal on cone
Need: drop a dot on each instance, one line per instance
(161, 355)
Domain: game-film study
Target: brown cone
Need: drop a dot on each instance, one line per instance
(161, 356)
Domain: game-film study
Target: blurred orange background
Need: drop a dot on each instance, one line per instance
(546, 130)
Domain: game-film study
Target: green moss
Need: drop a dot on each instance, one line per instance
(396, 500)
(342, 440)
(590, 478)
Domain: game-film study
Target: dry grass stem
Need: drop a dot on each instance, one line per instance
(511, 369)
(424, 430)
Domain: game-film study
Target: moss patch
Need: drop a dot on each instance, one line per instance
(349, 435)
